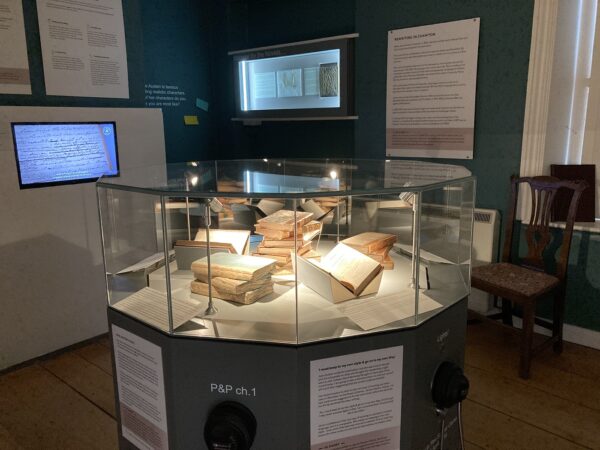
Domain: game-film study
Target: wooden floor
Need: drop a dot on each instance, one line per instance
(66, 402)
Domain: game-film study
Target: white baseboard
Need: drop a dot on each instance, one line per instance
(571, 333)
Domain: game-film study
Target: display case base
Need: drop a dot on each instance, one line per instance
(284, 388)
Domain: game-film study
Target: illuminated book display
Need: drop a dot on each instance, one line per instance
(297, 80)
(326, 240)
(302, 289)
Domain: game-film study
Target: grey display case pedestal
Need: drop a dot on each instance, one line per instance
(273, 381)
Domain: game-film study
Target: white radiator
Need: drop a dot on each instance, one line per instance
(486, 231)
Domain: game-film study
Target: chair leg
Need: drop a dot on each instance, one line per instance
(527, 339)
(558, 320)
(507, 312)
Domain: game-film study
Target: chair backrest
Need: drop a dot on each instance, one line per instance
(543, 192)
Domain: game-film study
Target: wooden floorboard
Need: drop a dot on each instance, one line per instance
(97, 354)
(550, 373)
(491, 429)
(7, 442)
(575, 359)
(87, 379)
(561, 417)
(40, 411)
(67, 402)
(471, 446)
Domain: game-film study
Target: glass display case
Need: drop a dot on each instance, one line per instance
(286, 251)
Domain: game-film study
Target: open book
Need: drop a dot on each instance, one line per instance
(350, 267)
(236, 241)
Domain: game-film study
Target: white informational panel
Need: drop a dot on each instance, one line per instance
(53, 290)
(401, 173)
(431, 80)
(141, 388)
(14, 66)
(346, 414)
(83, 48)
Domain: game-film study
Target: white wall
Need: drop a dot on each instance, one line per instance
(52, 287)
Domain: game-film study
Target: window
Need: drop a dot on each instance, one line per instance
(562, 123)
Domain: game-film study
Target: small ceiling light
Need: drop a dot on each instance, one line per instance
(194, 181)
(333, 174)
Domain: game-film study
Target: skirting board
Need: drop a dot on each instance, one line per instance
(571, 333)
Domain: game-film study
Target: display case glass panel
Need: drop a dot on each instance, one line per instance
(286, 251)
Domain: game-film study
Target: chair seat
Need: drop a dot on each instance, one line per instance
(512, 282)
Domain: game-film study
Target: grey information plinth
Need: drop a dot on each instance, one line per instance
(274, 381)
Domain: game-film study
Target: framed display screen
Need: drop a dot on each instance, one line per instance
(54, 153)
(307, 79)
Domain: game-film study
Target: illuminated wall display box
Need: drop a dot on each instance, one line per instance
(288, 304)
(309, 79)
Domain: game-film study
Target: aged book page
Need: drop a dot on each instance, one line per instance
(235, 240)
(350, 267)
(150, 306)
(245, 298)
(388, 263)
(269, 233)
(370, 241)
(282, 243)
(283, 251)
(268, 206)
(284, 220)
(237, 267)
(281, 259)
(307, 232)
(368, 314)
(312, 226)
(313, 207)
(229, 286)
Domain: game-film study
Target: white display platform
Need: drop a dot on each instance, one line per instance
(274, 317)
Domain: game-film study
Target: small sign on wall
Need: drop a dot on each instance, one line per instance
(431, 79)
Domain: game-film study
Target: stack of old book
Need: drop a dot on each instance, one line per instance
(279, 241)
(374, 245)
(237, 278)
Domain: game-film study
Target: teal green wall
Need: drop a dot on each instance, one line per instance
(504, 41)
(257, 23)
(583, 282)
(583, 288)
(504, 45)
(168, 41)
(185, 42)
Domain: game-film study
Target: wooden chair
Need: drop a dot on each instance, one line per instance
(526, 281)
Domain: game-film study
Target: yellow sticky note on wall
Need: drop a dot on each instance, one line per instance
(190, 120)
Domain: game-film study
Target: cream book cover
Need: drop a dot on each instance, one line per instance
(284, 220)
(230, 286)
(370, 241)
(234, 240)
(237, 267)
(245, 298)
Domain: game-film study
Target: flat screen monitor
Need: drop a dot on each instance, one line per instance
(55, 153)
(306, 79)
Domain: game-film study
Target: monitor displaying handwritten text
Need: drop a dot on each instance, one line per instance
(50, 154)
